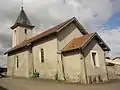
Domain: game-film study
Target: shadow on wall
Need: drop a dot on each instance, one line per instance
(2, 88)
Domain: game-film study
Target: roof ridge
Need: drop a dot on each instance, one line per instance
(85, 35)
(91, 35)
(54, 27)
(47, 32)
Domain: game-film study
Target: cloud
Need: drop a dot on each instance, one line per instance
(55, 11)
(111, 37)
(115, 5)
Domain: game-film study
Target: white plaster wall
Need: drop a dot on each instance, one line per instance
(67, 34)
(23, 70)
(94, 72)
(72, 66)
(49, 68)
(30, 63)
(64, 37)
(10, 65)
(20, 35)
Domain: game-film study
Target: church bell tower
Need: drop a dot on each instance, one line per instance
(22, 29)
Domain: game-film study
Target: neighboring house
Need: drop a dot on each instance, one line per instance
(109, 61)
(65, 52)
(115, 61)
(113, 66)
(3, 72)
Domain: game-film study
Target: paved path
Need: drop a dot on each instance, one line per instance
(27, 84)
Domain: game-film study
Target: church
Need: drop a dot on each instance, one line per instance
(65, 52)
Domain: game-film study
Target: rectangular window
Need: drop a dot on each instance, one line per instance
(17, 62)
(25, 31)
(42, 56)
(94, 58)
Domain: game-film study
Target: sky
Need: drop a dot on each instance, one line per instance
(101, 16)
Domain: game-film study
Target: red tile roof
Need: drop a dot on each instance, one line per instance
(22, 44)
(116, 58)
(77, 42)
(41, 35)
(49, 31)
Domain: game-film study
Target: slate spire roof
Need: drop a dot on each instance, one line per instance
(22, 20)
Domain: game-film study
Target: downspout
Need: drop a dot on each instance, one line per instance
(62, 64)
(106, 66)
(31, 54)
(85, 69)
(58, 66)
(63, 69)
(13, 68)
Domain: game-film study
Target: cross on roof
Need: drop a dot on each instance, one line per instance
(22, 3)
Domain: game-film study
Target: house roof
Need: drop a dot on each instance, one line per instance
(116, 58)
(77, 42)
(113, 61)
(81, 42)
(52, 30)
(22, 20)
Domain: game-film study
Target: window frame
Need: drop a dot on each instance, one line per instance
(41, 55)
(97, 64)
(17, 62)
(25, 31)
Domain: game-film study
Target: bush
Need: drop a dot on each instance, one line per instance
(56, 76)
(35, 74)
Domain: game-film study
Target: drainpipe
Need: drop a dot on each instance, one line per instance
(63, 69)
(106, 65)
(31, 54)
(84, 65)
(13, 68)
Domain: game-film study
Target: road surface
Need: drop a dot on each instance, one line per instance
(27, 84)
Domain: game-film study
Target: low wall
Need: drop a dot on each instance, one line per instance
(113, 72)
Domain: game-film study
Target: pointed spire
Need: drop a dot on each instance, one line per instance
(22, 20)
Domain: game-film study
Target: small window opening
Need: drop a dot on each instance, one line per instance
(25, 31)
(17, 62)
(94, 58)
(42, 56)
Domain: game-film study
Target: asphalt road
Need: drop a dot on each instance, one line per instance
(27, 84)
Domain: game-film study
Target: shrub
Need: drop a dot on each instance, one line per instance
(56, 76)
(35, 74)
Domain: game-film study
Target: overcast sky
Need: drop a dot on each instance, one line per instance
(92, 14)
